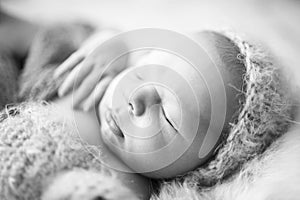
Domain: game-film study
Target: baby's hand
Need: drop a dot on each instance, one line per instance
(89, 75)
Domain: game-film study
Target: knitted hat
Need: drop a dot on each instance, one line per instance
(265, 114)
(41, 157)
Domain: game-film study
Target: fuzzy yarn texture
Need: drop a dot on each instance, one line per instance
(265, 115)
(43, 158)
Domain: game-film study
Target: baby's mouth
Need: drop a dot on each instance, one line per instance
(112, 123)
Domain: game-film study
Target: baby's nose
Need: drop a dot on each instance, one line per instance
(143, 99)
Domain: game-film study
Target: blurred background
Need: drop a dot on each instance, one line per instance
(274, 23)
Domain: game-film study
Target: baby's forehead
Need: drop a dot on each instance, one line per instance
(149, 57)
(177, 69)
(199, 67)
(167, 59)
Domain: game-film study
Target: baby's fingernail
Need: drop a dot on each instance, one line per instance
(60, 93)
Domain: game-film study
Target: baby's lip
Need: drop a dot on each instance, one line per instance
(112, 123)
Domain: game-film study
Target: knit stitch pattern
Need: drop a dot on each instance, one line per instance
(36, 151)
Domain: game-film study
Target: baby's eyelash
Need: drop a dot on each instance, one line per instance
(168, 120)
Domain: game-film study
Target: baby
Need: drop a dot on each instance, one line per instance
(143, 127)
(252, 86)
(153, 107)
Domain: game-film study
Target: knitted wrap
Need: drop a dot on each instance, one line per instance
(264, 115)
(40, 155)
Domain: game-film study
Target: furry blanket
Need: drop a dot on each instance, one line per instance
(41, 158)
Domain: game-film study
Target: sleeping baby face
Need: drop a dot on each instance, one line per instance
(156, 116)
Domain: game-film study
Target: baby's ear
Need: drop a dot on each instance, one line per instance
(81, 184)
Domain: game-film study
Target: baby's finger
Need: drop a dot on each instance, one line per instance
(86, 88)
(85, 69)
(68, 64)
(75, 76)
(97, 93)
